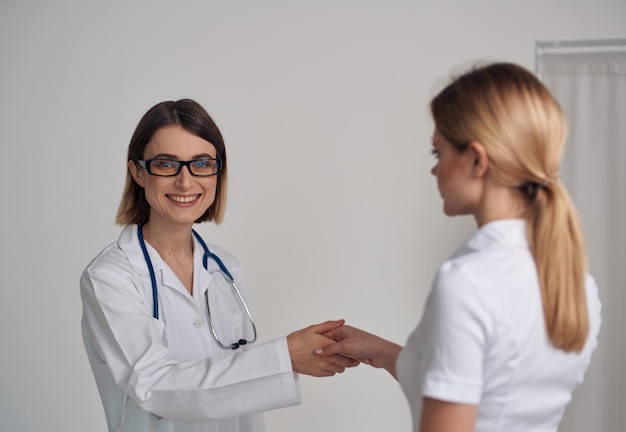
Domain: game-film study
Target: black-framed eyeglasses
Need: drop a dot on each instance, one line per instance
(165, 167)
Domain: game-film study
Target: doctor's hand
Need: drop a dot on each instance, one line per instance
(368, 348)
(303, 345)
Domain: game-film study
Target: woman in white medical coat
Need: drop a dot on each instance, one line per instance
(512, 319)
(168, 338)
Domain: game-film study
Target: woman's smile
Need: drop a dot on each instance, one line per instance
(183, 199)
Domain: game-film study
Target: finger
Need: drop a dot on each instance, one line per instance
(327, 326)
(345, 361)
(335, 365)
(336, 334)
(326, 368)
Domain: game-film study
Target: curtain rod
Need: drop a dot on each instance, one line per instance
(540, 46)
(579, 43)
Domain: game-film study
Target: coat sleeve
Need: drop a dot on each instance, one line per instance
(128, 342)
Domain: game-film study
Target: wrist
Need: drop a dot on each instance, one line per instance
(391, 354)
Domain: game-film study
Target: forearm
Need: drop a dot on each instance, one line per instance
(213, 388)
(205, 389)
(128, 356)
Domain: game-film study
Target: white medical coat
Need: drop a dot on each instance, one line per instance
(169, 374)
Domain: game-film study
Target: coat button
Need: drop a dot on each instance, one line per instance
(197, 323)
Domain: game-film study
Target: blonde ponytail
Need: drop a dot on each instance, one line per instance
(557, 244)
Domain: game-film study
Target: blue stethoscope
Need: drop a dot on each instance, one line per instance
(222, 272)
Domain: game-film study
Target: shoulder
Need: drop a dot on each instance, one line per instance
(114, 259)
(111, 257)
(489, 266)
(495, 259)
(456, 288)
(487, 285)
(593, 294)
(594, 305)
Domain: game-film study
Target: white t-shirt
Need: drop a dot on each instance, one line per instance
(482, 339)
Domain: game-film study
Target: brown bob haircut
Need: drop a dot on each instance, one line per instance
(188, 114)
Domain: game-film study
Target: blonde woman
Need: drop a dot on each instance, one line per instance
(512, 320)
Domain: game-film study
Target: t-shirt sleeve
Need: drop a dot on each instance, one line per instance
(457, 325)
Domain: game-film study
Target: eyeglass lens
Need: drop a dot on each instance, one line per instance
(171, 167)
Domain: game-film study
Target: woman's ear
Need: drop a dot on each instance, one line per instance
(480, 160)
(138, 174)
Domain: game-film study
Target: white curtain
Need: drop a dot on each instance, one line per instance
(591, 87)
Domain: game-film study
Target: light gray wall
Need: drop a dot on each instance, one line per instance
(332, 208)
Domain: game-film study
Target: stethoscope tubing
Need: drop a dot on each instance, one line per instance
(146, 255)
(207, 254)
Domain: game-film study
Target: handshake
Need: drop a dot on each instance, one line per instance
(330, 347)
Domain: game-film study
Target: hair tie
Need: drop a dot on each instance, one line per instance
(552, 178)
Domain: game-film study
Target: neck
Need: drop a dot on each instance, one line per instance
(499, 202)
(169, 240)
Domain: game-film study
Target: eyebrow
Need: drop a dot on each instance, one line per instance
(174, 157)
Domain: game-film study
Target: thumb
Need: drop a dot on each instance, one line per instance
(327, 326)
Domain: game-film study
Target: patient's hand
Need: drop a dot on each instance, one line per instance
(366, 347)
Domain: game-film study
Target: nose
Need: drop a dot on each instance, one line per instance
(433, 170)
(184, 177)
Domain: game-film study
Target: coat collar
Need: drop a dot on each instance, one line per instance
(499, 233)
(128, 242)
